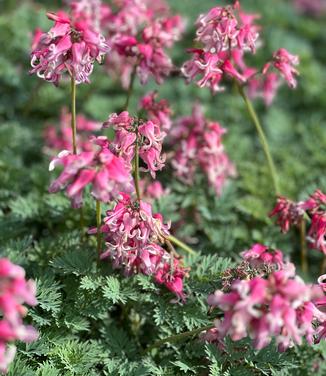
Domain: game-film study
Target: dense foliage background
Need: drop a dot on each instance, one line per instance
(95, 322)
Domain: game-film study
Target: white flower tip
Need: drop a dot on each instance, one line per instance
(52, 165)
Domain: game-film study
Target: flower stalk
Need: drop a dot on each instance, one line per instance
(303, 246)
(181, 244)
(73, 114)
(262, 137)
(130, 88)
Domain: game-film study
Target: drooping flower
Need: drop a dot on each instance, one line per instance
(291, 213)
(223, 36)
(140, 32)
(317, 201)
(221, 32)
(60, 138)
(71, 46)
(264, 86)
(151, 191)
(93, 12)
(107, 173)
(278, 305)
(158, 111)
(317, 231)
(288, 213)
(198, 145)
(205, 65)
(15, 291)
(223, 28)
(146, 136)
(260, 254)
(133, 236)
(213, 159)
(258, 261)
(284, 62)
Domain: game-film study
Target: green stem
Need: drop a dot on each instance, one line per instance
(98, 226)
(262, 137)
(130, 88)
(304, 262)
(181, 244)
(73, 114)
(178, 337)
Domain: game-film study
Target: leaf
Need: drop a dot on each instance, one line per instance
(49, 295)
(74, 262)
(116, 293)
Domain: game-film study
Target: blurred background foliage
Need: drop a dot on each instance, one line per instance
(36, 226)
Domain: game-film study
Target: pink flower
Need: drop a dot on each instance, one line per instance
(93, 12)
(211, 69)
(223, 34)
(153, 61)
(70, 46)
(146, 135)
(171, 273)
(213, 159)
(222, 29)
(198, 145)
(317, 231)
(152, 190)
(36, 37)
(60, 138)
(164, 31)
(288, 213)
(14, 292)
(265, 86)
(106, 172)
(158, 112)
(316, 201)
(260, 254)
(140, 32)
(133, 236)
(279, 306)
(284, 62)
(207, 67)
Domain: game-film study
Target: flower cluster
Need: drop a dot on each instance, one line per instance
(158, 111)
(320, 303)
(132, 134)
(260, 254)
(198, 144)
(290, 213)
(224, 35)
(220, 32)
(72, 45)
(100, 167)
(89, 11)
(133, 236)
(151, 191)
(284, 62)
(139, 32)
(14, 292)
(278, 305)
(60, 138)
